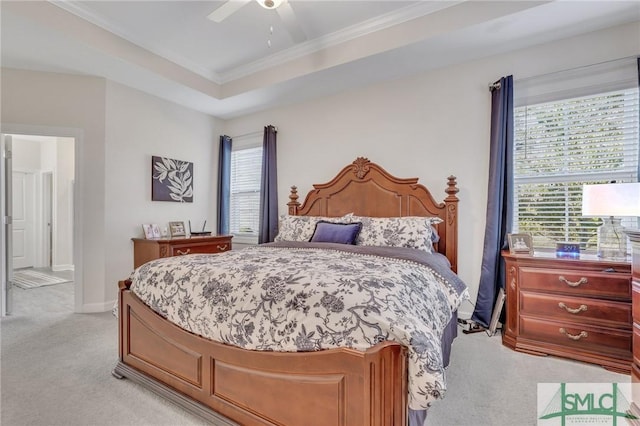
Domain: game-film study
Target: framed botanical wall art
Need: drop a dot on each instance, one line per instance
(171, 180)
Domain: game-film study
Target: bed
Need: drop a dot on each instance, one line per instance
(338, 385)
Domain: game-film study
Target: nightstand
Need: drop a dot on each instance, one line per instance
(573, 308)
(145, 250)
(634, 236)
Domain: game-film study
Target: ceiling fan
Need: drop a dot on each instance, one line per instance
(282, 7)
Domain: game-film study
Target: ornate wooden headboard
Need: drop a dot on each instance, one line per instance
(366, 189)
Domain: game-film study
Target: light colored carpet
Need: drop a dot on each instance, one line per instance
(56, 370)
(28, 279)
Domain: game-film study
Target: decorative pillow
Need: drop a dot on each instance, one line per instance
(409, 231)
(300, 228)
(341, 233)
(435, 237)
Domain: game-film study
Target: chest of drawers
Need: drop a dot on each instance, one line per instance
(145, 250)
(574, 308)
(634, 237)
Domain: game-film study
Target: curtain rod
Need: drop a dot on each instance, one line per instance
(246, 135)
(496, 85)
(577, 68)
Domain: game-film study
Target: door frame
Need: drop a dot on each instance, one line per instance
(6, 251)
(78, 135)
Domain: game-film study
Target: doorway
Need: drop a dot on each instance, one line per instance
(40, 252)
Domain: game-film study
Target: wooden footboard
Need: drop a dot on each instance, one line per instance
(228, 384)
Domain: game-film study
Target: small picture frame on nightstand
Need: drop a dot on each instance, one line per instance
(151, 230)
(156, 230)
(520, 244)
(176, 229)
(148, 230)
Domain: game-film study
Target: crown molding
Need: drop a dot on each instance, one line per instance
(300, 50)
(80, 11)
(378, 23)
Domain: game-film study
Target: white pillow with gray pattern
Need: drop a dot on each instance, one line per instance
(410, 231)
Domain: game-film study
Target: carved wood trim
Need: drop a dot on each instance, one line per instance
(366, 189)
(360, 167)
(512, 274)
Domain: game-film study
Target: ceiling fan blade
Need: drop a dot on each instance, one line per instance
(291, 22)
(226, 10)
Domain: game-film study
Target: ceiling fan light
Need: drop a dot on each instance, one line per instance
(269, 4)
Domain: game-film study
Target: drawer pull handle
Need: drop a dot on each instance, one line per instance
(222, 248)
(182, 253)
(572, 310)
(582, 280)
(574, 336)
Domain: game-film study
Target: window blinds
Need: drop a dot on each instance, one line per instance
(561, 144)
(246, 168)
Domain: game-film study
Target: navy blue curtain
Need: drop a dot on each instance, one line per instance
(268, 188)
(224, 184)
(500, 200)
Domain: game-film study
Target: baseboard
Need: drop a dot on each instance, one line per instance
(464, 314)
(58, 268)
(92, 308)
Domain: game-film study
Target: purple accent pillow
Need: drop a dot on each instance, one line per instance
(341, 233)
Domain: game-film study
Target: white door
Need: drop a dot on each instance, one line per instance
(6, 232)
(23, 219)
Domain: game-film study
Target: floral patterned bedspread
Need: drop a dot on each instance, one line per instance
(312, 296)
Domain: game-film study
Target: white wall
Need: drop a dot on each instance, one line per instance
(139, 126)
(64, 176)
(429, 126)
(117, 130)
(26, 154)
(70, 105)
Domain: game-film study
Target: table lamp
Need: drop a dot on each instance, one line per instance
(611, 201)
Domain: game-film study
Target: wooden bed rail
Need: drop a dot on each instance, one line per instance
(228, 385)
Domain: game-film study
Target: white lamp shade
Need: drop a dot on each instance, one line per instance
(611, 199)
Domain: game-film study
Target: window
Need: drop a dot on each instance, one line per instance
(561, 144)
(246, 172)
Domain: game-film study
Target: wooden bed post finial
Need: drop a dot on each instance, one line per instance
(452, 189)
(451, 204)
(293, 204)
(124, 284)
